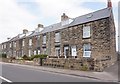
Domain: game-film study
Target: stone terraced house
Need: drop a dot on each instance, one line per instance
(73, 39)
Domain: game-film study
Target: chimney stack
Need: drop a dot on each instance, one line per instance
(25, 31)
(109, 5)
(64, 17)
(40, 26)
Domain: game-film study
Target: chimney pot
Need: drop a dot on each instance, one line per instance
(40, 25)
(109, 3)
(64, 17)
(25, 31)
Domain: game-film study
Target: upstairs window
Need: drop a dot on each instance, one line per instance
(15, 44)
(30, 42)
(23, 43)
(10, 45)
(44, 39)
(87, 50)
(86, 32)
(57, 37)
(4, 45)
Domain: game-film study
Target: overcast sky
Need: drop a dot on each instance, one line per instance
(16, 15)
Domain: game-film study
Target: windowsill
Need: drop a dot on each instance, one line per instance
(57, 42)
(43, 45)
(86, 38)
(86, 56)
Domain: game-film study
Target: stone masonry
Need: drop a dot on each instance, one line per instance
(85, 42)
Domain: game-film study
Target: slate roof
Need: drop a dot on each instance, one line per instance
(103, 13)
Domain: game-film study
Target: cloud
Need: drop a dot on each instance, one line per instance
(55, 8)
(12, 19)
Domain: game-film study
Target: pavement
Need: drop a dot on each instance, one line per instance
(105, 76)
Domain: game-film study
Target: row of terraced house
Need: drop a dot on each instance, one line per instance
(87, 36)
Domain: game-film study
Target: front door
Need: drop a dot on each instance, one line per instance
(66, 52)
(74, 52)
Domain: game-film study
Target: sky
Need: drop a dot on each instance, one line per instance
(16, 15)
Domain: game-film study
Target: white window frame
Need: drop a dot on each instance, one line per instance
(29, 52)
(57, 37)
(56, 51)
(86, 31)
(73, 50)
(23, 42)
(39, 52)
(15, 44)
(65, 48)
(30, 42)
(4, 45)
(44, 39)
(87, 51)
(35, 52)
(10, 44)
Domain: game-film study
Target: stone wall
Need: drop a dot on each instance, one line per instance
(85, 64)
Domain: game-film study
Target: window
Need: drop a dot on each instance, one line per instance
(38, 52)
(30, 42)
(57, 51)
(44, 39)
(74, 52)
(10, 45)
(4, 45)
(29, 52)
(23, 43)
(57, 37)
(35, 52)
(86, 32)
(87, 50)
(14, 44)
(66, 51)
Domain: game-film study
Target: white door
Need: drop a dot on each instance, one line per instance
(74, 52)
(65, 51)
(35, 52)
(38, 52)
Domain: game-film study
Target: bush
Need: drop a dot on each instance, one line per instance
(42, 56)
(25, 57)
(38, 56)
(84, 68)
(4, 55)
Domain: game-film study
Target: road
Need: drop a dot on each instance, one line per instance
(14, 73)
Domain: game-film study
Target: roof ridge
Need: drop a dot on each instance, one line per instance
(92, 12)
